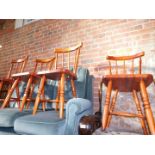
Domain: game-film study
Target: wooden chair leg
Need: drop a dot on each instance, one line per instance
(62, 99)
(26, 93)
(154, 81)
(73, 88)
(100, 95)
(7, 99)
(18, 96)
(37, 100)
(6, 93)
(147, 107)
(1, 85)
(105, 113)
(112, 107)
(30, 96)
(99, 112)
(138, 106)
(43, 96)
(58, 97)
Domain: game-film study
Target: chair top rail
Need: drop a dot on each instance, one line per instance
(20, 60)
(66, 50)
(122, 58)
(45, 60)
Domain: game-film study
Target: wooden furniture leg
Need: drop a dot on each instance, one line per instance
(147, 107)
(26, 93)
(154, 81)
(62, 99)
(112, 107)
(43, 96)
(37, 100)
(30, 96)
(100, 94)
(18, 96)
(7, 99)
(1, 85)
(73, 88)
(58, 97)
(106, 106)
(138, 106)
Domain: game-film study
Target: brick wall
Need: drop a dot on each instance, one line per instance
(99, 37)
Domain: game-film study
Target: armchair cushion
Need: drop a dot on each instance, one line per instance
(49, 123)
(43, 123)
(9, 115)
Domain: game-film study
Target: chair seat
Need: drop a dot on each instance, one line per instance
(43, 123)
(127, 82)
(6, 80)
(9, 115)
(20, 74)
(24, 75)
(56, 74)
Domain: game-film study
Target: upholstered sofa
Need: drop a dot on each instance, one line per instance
(48, 123)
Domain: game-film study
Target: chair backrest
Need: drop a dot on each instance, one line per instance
(44, 64)
(125, 60)
(17, 66)
(68, 57)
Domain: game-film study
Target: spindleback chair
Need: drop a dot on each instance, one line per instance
(10, 84)
(41, 65)
(66, 65)
(122, 81)
(31, 78)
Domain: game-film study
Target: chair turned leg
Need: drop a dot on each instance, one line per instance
(1, 85)
(18, 96)
(62, 99)
(100, 95)
(58, 97)
(37, 100)
(43, 96)
(73, 88)
(26, 94)
(112, 107)
(7, 99)
(30, 96)
(147, 107)
(106, 106)
(138, 106)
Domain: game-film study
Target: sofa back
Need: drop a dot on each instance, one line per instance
(83, 86)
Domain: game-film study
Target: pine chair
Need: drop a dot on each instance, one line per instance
(66, 65)
(8, 84)
(127, 80)
(31, 78)
(41, 65)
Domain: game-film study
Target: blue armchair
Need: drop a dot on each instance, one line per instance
(48, 122)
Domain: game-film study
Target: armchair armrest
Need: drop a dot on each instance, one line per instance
(75, 109)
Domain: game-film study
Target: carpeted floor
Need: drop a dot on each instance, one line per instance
(99, 131)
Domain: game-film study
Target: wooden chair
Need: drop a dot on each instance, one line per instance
(31, 78)
(66, 65)
(128, 82)
(8, 84)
